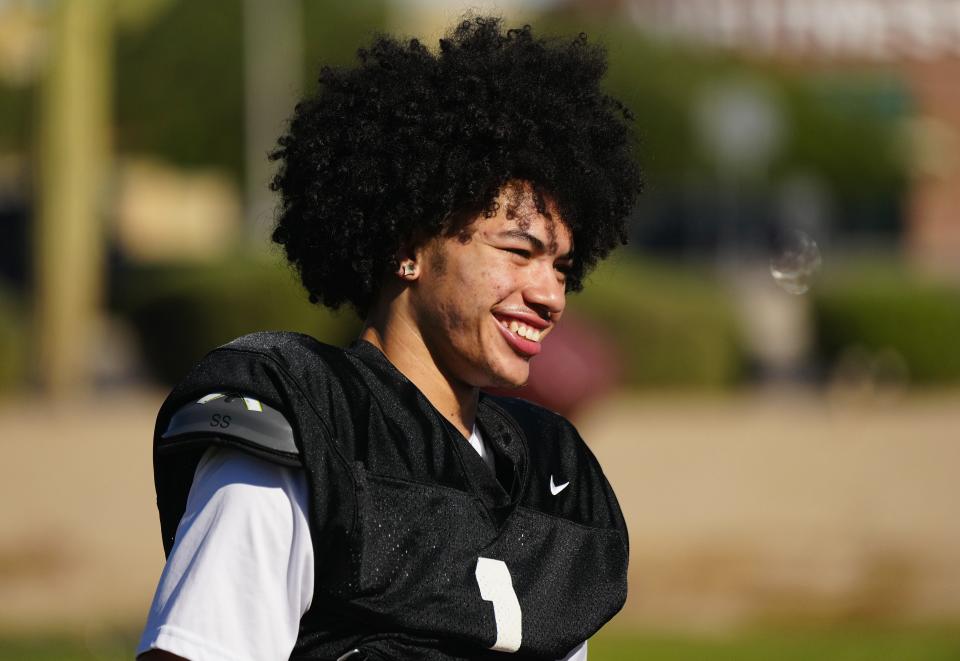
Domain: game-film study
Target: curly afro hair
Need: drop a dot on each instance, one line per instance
(398, 148)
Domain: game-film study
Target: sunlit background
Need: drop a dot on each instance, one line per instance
(768, 372)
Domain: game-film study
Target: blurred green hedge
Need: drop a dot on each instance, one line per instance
(883, 308)
(179, 75)
(179, 312)
(672, 327)
(13, 339)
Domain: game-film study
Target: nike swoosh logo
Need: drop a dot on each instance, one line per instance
(557, 488)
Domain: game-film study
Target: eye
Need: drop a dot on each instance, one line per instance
(518, 251)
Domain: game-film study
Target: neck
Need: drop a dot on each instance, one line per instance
(402, 343)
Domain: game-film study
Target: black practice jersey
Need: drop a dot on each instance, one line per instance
(422, 552)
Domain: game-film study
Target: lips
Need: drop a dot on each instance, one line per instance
(523, 333)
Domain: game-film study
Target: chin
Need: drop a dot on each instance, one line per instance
(510, 378)
(506, 385)
(505, 370)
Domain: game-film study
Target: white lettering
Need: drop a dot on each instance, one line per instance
(952, 18)
(874, 29)
(764, 22)
(687, 19)
(797, 24)
(918, 33)
(729, 23)
(849, 28)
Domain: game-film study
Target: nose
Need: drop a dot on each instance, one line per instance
(544, 293)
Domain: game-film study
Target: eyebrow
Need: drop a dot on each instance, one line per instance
(534, 241)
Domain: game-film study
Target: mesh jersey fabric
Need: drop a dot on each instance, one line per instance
(240, 575)
(402, 517)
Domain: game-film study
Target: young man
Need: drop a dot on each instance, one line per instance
(372, 502)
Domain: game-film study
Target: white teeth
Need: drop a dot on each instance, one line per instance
(524, 331)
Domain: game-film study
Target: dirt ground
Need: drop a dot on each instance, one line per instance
(770, 506)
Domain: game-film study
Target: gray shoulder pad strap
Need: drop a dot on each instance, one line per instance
(234, 420)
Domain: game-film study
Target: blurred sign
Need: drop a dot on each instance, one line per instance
(859, 29)
(23, 42)
(740, 124)
(163, 213)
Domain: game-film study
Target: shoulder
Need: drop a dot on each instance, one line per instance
(561, 463)
(280, 343)
(535, 421)
(292, 352)
(553, 442)
(274, 395)
(279, 370)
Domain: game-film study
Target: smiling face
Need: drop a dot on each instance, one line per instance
(486, 297)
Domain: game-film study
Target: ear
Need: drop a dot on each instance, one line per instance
(408, 270)
(408, 263)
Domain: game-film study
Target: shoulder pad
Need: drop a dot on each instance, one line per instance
(233, 420)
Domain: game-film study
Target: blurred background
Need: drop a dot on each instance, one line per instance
(769, 372)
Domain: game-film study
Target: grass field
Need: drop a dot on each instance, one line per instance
(821, 645)
(828, 645)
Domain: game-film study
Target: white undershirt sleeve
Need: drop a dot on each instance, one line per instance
(579, 653)
(240, 574)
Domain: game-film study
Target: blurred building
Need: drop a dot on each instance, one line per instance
(917, 40)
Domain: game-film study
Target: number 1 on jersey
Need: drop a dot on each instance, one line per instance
(496, 586)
